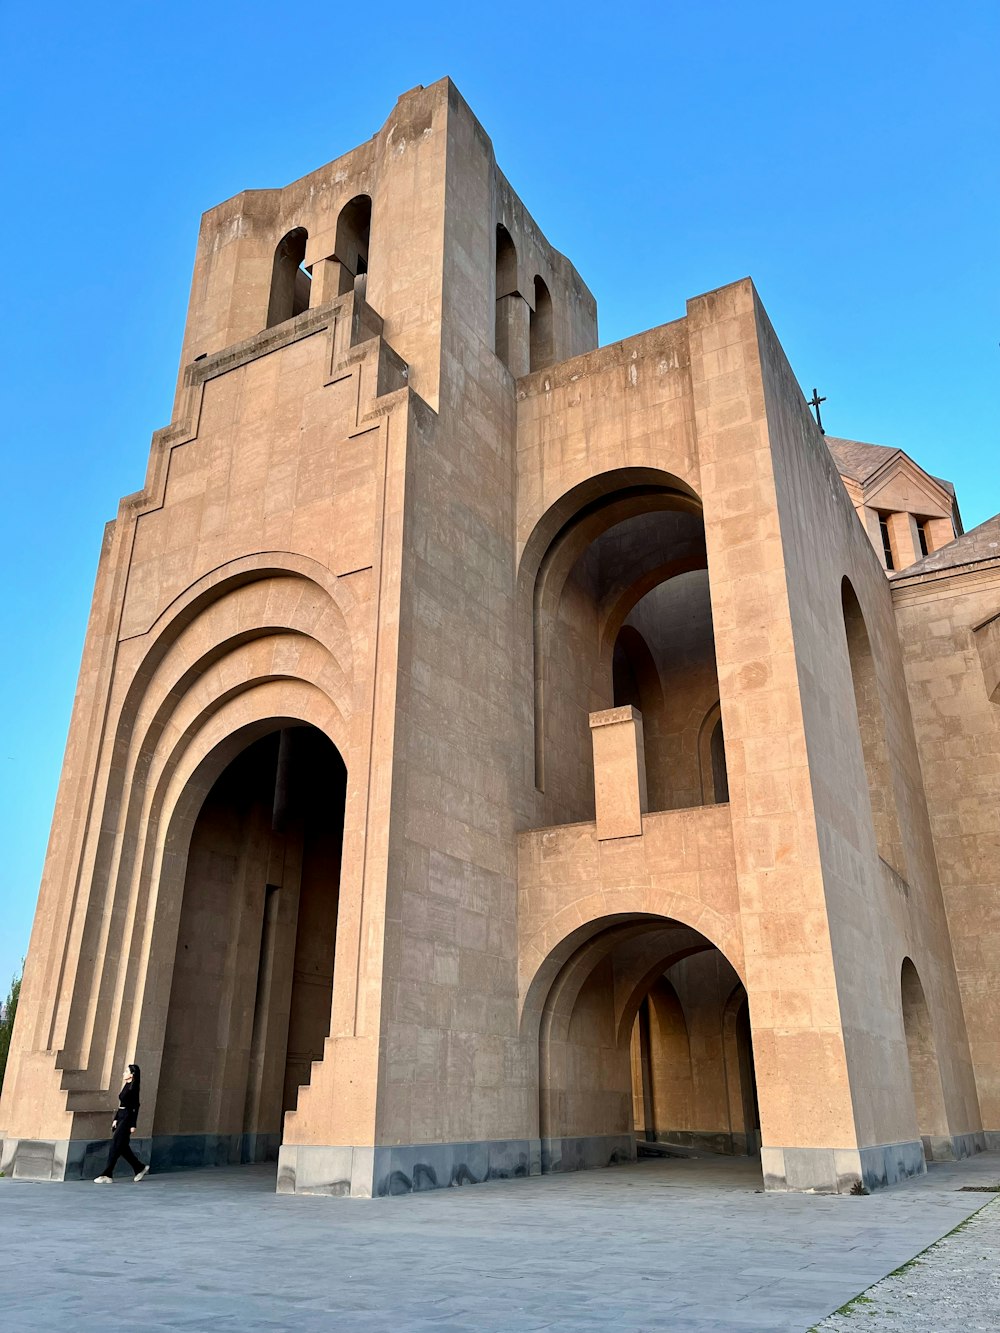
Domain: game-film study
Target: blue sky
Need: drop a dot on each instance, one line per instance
(843, 155)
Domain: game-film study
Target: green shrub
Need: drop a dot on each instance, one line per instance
(7, 1011)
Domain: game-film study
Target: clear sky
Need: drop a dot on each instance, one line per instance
(844, 155)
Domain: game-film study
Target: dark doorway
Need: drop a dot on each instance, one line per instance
(252, 986)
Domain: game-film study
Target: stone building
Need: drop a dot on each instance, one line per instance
(492, 749)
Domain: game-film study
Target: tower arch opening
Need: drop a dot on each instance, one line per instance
(505, 336)
(291, 281)
(622, 614)
(540, 329)
(252, 982)
(353, 241)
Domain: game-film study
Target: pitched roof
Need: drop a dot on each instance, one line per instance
(982, 543)
(859, 461)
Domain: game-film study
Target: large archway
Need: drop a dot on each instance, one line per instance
(644, 1039)
(621, 614)
(252, 981)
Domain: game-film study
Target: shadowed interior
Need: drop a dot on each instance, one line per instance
(646, 1030)
(252, 984)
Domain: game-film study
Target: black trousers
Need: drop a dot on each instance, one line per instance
(121, 1147)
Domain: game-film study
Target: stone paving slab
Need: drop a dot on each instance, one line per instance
(954, 1285)
(687, 1246)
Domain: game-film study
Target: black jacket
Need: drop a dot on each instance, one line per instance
(128, 1108)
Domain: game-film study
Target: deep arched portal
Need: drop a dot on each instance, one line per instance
(252, 984)
(644, 1039)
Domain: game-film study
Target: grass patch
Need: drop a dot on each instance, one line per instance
(858, 1302)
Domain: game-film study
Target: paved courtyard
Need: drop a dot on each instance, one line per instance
(678, 1245)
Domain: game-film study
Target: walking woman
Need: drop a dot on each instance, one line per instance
(122, 1129)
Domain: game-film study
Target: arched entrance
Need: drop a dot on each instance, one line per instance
(251, 991)
(644, 1036)
(925, 1076)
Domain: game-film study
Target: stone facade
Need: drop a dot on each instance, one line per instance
(493, 749)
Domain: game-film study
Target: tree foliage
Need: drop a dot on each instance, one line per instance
(7, 1011)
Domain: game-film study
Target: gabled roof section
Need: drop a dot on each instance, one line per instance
(871, 466)
(857, 460)
(982, 543)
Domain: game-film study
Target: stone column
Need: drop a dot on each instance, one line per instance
(619, 772)
(326, 281)
(905, 539)
(940, 531)
(513, 318)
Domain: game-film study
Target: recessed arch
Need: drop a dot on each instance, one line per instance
(541, 335)
(186, 776)
(556, 554)
(634, 678)
(924, 1070)
(712, 758)
(291, 282)
(596, 990)
(872, 730)
(353, 241)
(255, 944)
(662, 1075)
(577, 503)
(506, 263)
(740, 1071)
(506, 300)
(162, 810)
(249, 622)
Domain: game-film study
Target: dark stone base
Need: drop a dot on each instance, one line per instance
(80, 1159)
(941, 1148)
(712, 1141)
(839, 1170)
(587, 1152)
(184, 1152)
(403, 1169)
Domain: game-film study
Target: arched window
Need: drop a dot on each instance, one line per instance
(635, 679)
(353, 236)
(290, 280)
(720, 777)
(925, 1075)
(871, 723)
(712, 758)
(506, 285)
(540, 332)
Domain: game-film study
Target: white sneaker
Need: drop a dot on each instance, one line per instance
(143, 1172)
(103, 1180)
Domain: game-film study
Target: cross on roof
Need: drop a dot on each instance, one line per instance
(814, 402)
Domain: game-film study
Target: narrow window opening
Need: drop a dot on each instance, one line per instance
(883, 527)
(506, 285)
(922, 536)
